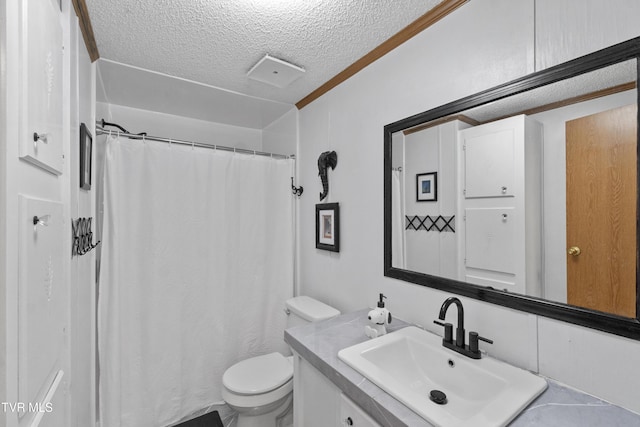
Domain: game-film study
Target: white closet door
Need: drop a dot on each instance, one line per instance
(41, 86)
(489, 162)
(490, 242)
(43, 313)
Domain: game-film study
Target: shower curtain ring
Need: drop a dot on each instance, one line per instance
(169, 142)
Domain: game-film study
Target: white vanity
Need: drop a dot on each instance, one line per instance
(320, 403)
(327, 392)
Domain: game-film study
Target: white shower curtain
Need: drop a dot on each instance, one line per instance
(397, 221)
(197, 263)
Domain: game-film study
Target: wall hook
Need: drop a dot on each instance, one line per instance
(296, 190)
(82, 237)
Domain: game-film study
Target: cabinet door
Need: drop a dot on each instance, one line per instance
(352, 415)
(43, 309)
(490, 239)
(316, 399)
(489, 162)
(41, 86)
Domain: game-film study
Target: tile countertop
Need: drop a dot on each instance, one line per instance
(320, 342)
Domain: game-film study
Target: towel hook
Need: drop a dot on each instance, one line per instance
(296, 190)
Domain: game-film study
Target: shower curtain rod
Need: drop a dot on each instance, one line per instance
(101, 131)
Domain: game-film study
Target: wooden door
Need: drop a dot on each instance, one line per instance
(601, 211)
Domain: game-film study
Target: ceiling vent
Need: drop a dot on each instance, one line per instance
(275, 72)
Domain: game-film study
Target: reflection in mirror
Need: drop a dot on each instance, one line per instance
(535, 193)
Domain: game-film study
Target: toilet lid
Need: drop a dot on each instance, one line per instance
(258, 374)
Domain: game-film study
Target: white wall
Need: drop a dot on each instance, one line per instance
(281, 136)
(171, 126)
(484, 43)
(422, 153)
(82, 269)
(19, 177)
(431, 150)
(4, 31)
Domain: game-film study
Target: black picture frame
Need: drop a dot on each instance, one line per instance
(328, 227)
(427, 187)
(86, 147)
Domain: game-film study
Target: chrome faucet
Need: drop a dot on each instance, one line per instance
(470, 350)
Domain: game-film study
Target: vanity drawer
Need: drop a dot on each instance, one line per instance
(352, 415)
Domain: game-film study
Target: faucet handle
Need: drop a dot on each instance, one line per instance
(473, 341)
(448, 331)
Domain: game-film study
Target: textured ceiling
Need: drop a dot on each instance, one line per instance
(217, 41)
(594, 81)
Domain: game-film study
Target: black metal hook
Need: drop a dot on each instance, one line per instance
(296, 190)
(82, 237)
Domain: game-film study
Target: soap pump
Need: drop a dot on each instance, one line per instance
(378, 317)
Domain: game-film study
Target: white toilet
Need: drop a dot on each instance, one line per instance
(260, 389)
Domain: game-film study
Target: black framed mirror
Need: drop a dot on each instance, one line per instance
(537, 205)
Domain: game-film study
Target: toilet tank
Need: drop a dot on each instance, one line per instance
(303, 309)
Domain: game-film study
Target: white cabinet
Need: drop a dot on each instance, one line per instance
(315, 398)
(41, 85)
(500, 203)
(351, 415)
(317, 402)
(490, 239)
(490, 162)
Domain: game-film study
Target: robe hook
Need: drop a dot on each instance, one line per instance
(296, 190)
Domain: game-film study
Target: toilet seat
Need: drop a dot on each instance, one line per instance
(258, 403)
(258, 375)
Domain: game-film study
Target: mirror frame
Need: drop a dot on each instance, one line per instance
(623, 326)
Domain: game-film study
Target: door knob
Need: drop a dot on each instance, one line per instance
(574, 251)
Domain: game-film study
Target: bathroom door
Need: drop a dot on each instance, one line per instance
(601, 211)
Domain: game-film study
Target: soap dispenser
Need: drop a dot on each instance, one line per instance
(378, 317)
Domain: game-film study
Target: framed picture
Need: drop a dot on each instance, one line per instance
(427, 187)
(328, 227)
(86, 144)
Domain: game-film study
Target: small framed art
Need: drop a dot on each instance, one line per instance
(328, 227)
(427, 187)
(86, 144)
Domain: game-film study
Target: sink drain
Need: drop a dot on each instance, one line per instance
(438, 397)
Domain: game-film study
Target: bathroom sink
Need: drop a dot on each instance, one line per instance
(412, 365)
